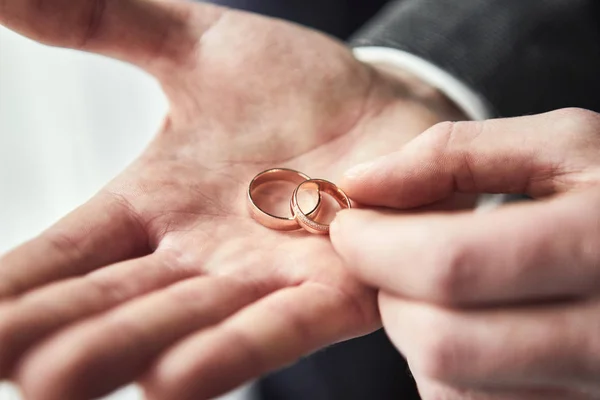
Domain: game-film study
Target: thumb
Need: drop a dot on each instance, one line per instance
(141, 32)
(535, 155)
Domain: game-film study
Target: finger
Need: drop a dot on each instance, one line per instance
(267, 335)
(34, 316)
(104, 231)
(547, 346)
(104, 353)
(534, 251)
(138, 31)
(536, 155)
(431, 390)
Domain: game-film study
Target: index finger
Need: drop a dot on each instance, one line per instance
(536, 155)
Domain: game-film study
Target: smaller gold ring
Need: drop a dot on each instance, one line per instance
(324, 186)
(274, 221)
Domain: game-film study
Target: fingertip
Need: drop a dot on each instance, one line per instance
(348, 230)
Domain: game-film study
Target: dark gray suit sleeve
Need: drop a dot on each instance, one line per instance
(522, 56)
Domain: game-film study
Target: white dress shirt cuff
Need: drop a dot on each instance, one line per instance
(461, 94)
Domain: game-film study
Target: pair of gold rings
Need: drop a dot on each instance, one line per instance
(299, 218)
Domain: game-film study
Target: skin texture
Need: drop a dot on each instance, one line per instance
(162, 277)
(502, 304)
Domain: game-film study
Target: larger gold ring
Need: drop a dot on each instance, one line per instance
(274, 221)
(324, 186)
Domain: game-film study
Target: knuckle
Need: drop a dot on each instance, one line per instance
(578, 116)
(453, 142)
(577, 127)
(441, 353)
(441, 133)
(101, 284)
(436, 141)
(451, 135)
(445, 128)
(449, 272)
(61, 241)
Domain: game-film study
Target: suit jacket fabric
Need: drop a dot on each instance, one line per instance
(360, 369)
(522, 56)
(339, 18)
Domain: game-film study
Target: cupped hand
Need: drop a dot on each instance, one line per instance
(495, 305)
(163, 277)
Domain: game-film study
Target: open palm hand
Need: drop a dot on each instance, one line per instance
(163, 277)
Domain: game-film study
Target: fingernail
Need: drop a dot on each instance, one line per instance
(359, 170)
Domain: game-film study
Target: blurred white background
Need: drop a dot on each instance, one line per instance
(69, 122)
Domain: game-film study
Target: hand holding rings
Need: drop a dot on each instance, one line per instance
(299, 218)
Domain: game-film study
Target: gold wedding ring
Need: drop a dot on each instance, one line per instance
(320, 185)
(299, 218)
(274, 221)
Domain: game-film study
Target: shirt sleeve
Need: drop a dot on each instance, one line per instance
(463, 96)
